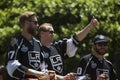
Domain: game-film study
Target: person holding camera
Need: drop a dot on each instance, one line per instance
(95, 66)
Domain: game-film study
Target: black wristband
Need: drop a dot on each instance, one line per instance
(75, 40)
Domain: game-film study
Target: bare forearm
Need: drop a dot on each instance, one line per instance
(30, 72)
(83, 33)
(35, 73)
(59, 77)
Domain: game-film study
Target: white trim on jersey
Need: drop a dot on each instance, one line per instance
(12, 66)
(43, 66)
(18, 48)
(71, 48)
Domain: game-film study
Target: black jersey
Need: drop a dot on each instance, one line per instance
(54, 55)
(25, 53)
(92, 66)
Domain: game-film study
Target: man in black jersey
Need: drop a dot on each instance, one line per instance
(95, 65)
(24, 58)
(55, 52)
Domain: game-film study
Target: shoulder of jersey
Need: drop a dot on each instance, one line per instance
(108, 61)
(36, 39)
(87, 56)
(61, 40)
(15, 41)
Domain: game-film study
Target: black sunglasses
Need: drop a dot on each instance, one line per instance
(102, 44)
(35, 22)
(51, 32)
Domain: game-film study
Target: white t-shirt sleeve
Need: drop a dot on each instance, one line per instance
(71, 48)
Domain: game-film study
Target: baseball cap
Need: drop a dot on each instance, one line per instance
(100, 38)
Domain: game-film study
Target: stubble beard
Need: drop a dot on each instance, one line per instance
(99, 51)
(32, 31)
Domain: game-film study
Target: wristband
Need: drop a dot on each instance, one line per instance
(62, 78)
(32, 73)
(75, 40)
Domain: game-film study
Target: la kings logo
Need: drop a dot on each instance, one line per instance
(34, 59)
(103, 71)
(56, 62)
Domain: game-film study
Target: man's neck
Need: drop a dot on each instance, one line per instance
(97, 55)
(26, 35)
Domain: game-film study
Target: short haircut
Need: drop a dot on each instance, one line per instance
(44, 27)
(25, 16)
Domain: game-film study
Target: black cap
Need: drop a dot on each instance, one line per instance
(100, 38)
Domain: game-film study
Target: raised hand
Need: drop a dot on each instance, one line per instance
(93, 23)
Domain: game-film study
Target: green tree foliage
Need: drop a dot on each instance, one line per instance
(68, 17)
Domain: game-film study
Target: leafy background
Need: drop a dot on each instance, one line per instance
(68, 17)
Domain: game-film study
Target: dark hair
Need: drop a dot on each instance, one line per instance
(25, 16)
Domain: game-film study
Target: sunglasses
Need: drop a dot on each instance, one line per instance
(102, 44)
(35, 22)
(51, 32)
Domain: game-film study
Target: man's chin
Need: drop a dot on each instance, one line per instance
(102, 53)
(33, 33)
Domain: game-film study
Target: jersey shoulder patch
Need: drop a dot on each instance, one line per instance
(14, 42)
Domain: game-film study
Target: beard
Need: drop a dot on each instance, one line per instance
(100, 51)
(32, 30)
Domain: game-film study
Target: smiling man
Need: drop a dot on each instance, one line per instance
(95, 65)
(54, 53)
(24, 58)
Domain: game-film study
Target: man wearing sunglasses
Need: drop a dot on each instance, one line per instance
(25, 59)
(54, 53)
(95, 65)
